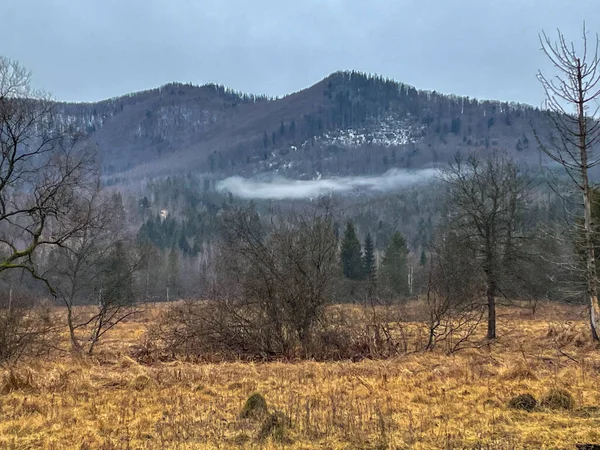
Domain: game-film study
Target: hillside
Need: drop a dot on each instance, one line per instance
(347, 124)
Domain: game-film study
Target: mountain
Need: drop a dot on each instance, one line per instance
(347, 124)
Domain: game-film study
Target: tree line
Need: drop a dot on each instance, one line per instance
(272, 278)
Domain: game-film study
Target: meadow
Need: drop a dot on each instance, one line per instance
(417, 400)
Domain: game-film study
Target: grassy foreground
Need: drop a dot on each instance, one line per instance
(420, 400)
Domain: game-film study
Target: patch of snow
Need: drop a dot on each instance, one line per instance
(386, 132)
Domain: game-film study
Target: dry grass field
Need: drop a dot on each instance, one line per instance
(415, 401)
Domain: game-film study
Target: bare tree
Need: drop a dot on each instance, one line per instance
(454, 291)
(571, 103)
(43, 171)
(290, 273)
(485, 201)
(93, 270)
(270, 292)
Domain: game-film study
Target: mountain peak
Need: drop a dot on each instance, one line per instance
(350, 122)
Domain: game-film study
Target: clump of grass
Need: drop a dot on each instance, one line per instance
(275, 425)
(141, 382)
(558, 399)
(520, 372)
(240, 439)
(254, 408)
(525, 402)
(492, 403)
(419, 398)
(587, 412)
(16, 381)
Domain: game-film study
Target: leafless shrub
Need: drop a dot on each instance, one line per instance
(454, 293)
(27, 329)
(212, 330)
(270, 291)
(201, 331)
(373, 332)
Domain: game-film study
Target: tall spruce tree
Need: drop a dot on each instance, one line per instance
(394, 267)
(352, 262)
(423, 259)
(173, 282)
(369, 264)
(115, 285)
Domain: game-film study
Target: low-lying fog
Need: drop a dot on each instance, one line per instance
(282, 188)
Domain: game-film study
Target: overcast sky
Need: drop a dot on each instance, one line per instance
(85, 50)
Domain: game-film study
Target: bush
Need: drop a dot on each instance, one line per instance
(558, 399)
(526, 402)
(254, 408)
(219, 330)
(275, 425)
(26, 330)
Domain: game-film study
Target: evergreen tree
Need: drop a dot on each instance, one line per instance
(423, 259)
(144, 205)
(369, 265)
(352, 264)
(149, 267)
(394, 267)
(173, 274)
(455, 125)
(116, 278)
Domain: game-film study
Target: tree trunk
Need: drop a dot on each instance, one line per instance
(491, 301)
(75, 345)
(592, 288)
(591, 276)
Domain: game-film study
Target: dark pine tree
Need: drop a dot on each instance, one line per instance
(369, 265)
(352, 264)
(116, 277)
(394, 265)
(423, 259)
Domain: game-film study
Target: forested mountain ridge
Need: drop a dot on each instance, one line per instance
(348, 123)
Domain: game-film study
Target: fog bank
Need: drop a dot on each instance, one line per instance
(283, 188)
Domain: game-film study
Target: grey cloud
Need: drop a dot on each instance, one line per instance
(93, 49)
(282, 188)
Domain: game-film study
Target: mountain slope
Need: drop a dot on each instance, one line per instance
(348, 123)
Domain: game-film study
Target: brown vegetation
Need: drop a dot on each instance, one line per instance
(422, 400)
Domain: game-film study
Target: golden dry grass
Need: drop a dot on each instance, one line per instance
(420, 401)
